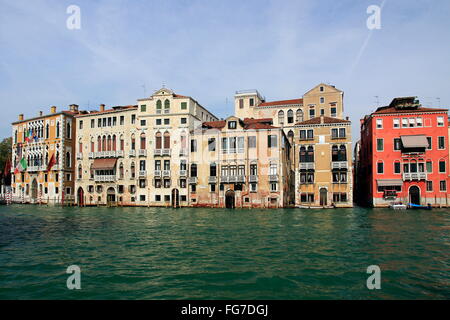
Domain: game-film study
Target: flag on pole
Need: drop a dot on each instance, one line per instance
(51, 163)
(23, 164)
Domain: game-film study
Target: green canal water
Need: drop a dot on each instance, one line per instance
(155, 253)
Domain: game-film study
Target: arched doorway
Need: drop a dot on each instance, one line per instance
(323, 197)
(414, 195)
(175, 198)
(34, 190)
(229, 199)
(111, 196)
(80, 197)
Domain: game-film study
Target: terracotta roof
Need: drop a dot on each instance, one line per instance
(258, 126)
(253, 120)
(215, 124)
(248, 123)
(115, 109)
(388, 110)
(179, 96)
(281, 103)
(326, 120)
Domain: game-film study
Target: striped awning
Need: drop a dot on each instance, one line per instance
(416, 141)
(104, 164)
(390, 182)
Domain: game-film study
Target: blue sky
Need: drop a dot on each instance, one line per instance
(210, 49)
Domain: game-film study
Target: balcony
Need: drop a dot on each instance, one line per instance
(273, 178)
(142, 153)
(212, 179)
(132, 153)
(119, 154)
(91, 155)
(43, 168)
(142, 173)
(253, 178)
(414, 176)
(183, 152)
(157, 173)
(108, 178)
(339, 165)
(240, 179)
(232, 179)
(33, 169)
(224, 179)
(56, 167)
(166, 173)
(166, 152)
(183, 173)
(192, 180)
(79, 156)
(307, 166)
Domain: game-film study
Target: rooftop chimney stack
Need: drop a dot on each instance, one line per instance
(53, 109)
(41, 113)
(21, 117)
(102, 108)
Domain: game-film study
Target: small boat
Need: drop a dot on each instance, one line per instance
(419, 207)
(399, 206)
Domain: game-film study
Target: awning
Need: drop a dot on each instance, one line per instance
(390, 183)
(104, 164)
(414, 141)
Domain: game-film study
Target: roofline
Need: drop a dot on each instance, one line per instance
(45, 116)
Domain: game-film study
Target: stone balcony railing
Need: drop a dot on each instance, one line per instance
(166, 173)
(157, 173)
(183, 173)
(142, 153)
(339, 165)
(273, 178)
(166, 152)
(414, 176)
(307, 166)
(142, 173)
(157, 152)
(212, 179)
(79, 156)
(183, 152)
(253, 178)
(132, 153)
(105, 178)
(192, 180)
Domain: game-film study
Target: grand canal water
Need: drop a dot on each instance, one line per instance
(155, 253)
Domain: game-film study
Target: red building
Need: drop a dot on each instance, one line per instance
(403, 156)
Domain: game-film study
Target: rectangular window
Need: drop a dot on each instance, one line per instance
(396, 123)
(380, 144)
(252, 142)
(441, 143)
(166, 121)
(442, 167)
(158, 122)
(183, 105)
(143, 123)
(241, 103)
(429, 185)
(333, 111)
(81, 124)
(193, 145)
(419, 122)
(396, 167)
(122, 120)
(114, 121)
(211, 144)
(397, 144)
(240, 144)
(334, 133)
(379, 123)
(252, 102)
(440, 121)
(92, 123)
(404, 123)
(133, 119)
(312, 113)
(272, 141)
(183, 120)
(341, 132)
(212, 187)
(443, 186)
(429, 166)
(430, 143)
(143, 108)
(273, 186)
(412, 122)
(232, 124)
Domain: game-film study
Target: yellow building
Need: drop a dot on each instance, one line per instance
(40, 141)
(324, 163)
(240, 163)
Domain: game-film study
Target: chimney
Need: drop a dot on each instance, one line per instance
(102, 107)
(41, 113)
(346, 118)
(21, 117)
(74, 108)
(53, 109)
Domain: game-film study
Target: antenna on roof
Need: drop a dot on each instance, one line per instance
(439, 101)
(377, 101)
(145, 91)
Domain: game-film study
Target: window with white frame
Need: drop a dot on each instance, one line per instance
(440, 121)
(396, 123)
(379, 123)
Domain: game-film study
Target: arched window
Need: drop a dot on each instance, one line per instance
(80, 172)
(158, 139)
(143, 141)
(302, 154)
(122, 144)
(121, 173)
(114, 143)
(310, 154)
(342, 153)
(133, 142)
(166, 140)
(57, 157)
(166, 106)
(68, 160)
(183, 141)
(15, 136)
(334, 153)
(299, 115)
(291, 135)
(58, 129)
(80, 146)
(281, 117)
(290, 116)
(91, 170)
(47, 131)
(68, 130)
(158, 106)
(133, 170)
(99, 144)
(92, 145)
(109, 144)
